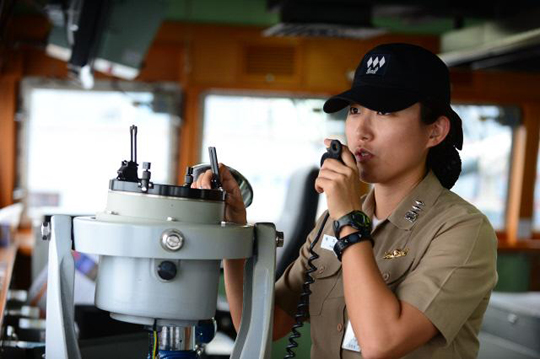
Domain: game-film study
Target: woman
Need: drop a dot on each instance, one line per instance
(417, 284)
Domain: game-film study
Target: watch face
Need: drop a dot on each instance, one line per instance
(361, 219)
(356, 219)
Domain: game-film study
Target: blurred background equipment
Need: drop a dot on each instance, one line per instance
(109, 36)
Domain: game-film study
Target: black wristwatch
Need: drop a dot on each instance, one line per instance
(356, 219)
(347, 241)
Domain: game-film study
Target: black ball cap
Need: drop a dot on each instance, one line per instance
(392, 77)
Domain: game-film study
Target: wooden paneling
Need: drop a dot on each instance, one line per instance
(11, 69)
(163, 63)
(516, 175)
(519, 214)
(212, 62)
(37, 63)
(328, 63)
(30, 29)
(190, 139)
(8, 87)
(495, 87)
(531, 119)
(276, 63)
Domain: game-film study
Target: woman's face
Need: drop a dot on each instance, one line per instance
(389, 147)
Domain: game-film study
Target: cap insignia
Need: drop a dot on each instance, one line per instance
(374, 64)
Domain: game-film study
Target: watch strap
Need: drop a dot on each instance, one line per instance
(349, 240)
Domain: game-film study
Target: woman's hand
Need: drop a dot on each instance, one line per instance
(340, 182)
(235, 211)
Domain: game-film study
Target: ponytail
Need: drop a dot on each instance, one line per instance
(443, 159)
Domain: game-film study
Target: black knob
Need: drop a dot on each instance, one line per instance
(188, 177)
(167, 270)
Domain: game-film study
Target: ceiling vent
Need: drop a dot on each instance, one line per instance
(269, 60)
(323, 30)
(337, 18)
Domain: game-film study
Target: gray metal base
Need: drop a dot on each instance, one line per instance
(254, 337)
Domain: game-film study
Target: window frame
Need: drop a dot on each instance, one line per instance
(265, 94)
(22, 117)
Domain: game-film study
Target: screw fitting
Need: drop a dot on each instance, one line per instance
(46, 231)
(279, 239)
(172, 240)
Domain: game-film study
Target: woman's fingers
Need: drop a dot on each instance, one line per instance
(336, 175)
(203, 181)
(227, 180)
(319, 185)
(348, 157)
(235, 211)
(336, 167)
(333, 165)
(331, 175)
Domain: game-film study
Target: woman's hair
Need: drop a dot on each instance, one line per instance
(442, 159)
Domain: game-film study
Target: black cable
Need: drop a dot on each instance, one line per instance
(303, 304)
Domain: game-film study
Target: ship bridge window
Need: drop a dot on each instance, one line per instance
(487, 148)
(72, 141)
(266, 139)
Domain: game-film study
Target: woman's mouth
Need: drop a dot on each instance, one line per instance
(362, 155)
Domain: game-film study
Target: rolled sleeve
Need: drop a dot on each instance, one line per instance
(455, 274)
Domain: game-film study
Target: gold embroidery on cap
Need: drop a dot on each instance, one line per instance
(396, 253)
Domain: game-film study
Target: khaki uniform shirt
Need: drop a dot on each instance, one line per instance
(448, 272)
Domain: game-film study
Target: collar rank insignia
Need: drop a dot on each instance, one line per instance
(396, 253)
(412, 215)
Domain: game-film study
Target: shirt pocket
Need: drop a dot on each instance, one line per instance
(325, 285)
(395, 270)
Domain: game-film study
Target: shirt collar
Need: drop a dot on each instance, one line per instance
(419, 200)
(368, 206)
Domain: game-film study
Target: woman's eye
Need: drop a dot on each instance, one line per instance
(353, 110)
(383, 113)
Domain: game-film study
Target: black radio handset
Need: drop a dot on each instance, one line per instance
(334, 151)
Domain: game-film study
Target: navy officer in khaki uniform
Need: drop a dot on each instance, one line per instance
(416, 281)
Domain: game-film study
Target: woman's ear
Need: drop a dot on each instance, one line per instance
(438, 131)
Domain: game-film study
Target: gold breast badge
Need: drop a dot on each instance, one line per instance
(396, 253)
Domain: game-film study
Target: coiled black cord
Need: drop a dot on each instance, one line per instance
(303, 304)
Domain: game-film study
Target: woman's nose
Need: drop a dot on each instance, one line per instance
(364, 129)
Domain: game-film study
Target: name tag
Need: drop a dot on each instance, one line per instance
(349, 340)
(328, 242)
